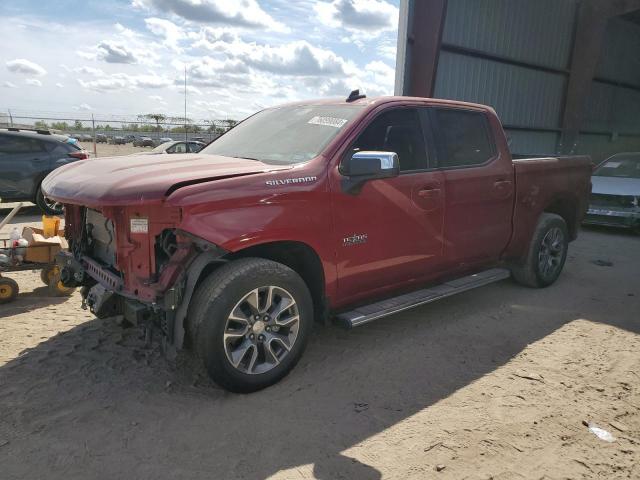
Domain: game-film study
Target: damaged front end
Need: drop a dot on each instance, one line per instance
(614, 210)
(135, 262)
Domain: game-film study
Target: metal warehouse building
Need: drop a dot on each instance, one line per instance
(564, 75)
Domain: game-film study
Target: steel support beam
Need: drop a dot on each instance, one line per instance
(589, 38)
(418, 57)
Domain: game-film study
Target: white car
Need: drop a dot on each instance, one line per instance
(175, 146)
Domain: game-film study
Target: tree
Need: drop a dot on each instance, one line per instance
(60, 126)
(78, 125)
(41, 125)
(156, 117)
(230, 123)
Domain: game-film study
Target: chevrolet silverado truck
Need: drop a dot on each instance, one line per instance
(349, 209)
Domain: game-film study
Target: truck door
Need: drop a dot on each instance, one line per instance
(479, 185)
(389, 234)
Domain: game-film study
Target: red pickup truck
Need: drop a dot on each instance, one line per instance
(347, 209)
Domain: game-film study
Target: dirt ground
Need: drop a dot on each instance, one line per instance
(106, 150)
(494, 383)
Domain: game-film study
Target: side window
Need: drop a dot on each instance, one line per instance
(178, 148)
(396, 131)
(465, 138)
(194, 147)
(12, 145)
(60, 148)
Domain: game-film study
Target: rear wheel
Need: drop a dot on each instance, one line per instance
(547, 253)
(48, 206)
(8, 290)
(250, 322)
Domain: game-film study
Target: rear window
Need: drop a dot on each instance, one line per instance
(465, 138)
(15, 144)
(63, 148)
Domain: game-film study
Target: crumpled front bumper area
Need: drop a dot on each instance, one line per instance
(626, 218)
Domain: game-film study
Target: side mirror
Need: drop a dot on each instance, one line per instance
(365, 166)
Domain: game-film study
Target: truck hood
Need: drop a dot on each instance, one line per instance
(130, 180)
(615, 186)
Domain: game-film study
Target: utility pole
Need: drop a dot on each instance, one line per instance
(10, 117)
(93, 134)
(185, 103)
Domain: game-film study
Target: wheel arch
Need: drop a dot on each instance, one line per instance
(298, 256)
(566, 206)
(301, 258)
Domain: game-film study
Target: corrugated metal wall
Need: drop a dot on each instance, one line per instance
(613, 107)
(515, 56)
(510, 28)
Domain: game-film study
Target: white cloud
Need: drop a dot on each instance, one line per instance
(59, 85)
(114, 52)
(370, 16)
(169, 31)
(296, 58)
(381, 73)
(34, 82)
(191, 90)
(27, 67)
(83, 107)
(8, 84)
(237, 13)
(157, 99)
(95, 72)
(123, 81)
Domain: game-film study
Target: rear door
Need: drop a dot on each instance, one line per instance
(389, 234)
(23, 161)
(479, 185)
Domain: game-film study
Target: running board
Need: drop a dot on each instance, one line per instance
(374, 311)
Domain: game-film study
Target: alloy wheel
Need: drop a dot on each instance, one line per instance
(551, 252)
(261, 330)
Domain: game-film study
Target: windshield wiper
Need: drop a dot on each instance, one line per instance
(248, 158)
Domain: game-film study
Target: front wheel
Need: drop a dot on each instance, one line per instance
(547, 253)
(48, 206)
(8, 290)
(250, 321)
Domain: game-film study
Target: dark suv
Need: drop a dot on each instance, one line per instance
(26, 157)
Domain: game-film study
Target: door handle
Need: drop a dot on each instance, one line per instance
(503, 188)
(429, 193)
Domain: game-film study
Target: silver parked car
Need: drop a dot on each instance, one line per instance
(615, 196)
(175, 147)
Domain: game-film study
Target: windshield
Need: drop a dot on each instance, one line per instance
(619, 166)
(284, 135)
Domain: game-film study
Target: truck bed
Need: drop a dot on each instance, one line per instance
(553, 184)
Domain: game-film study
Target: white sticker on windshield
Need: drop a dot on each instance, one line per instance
(612, 164)
(328, 121)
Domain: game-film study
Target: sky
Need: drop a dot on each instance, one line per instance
(127, 57)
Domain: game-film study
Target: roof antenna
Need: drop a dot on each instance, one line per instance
(355, 95)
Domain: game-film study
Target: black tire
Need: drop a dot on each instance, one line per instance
(221, 293)
(9, 290)
(46, 274)
(48, 207)
(57, 288)
(532, 273)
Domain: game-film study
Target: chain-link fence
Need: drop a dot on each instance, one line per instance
(94, 129)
